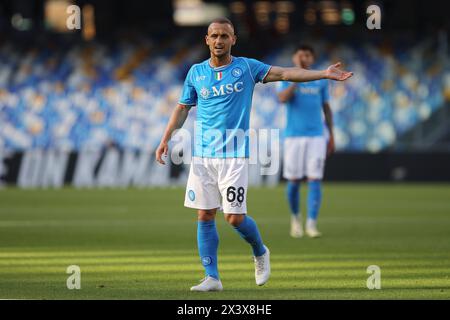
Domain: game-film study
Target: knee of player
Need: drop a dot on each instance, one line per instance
(206, 215)
(234, 219)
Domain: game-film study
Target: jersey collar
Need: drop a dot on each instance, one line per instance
(221, 67)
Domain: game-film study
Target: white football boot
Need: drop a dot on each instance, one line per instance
(262, 268)
(208, 284)
(311, 229)
(296, 227)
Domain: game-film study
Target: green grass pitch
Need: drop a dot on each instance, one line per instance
(141, 244)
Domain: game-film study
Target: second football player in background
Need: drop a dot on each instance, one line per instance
(306, 145)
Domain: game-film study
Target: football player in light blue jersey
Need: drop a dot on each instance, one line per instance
(305, 146)
(221, 88)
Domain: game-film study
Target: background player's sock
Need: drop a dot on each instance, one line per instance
(208, 242)
(248, 230)
(314, 199)
(293, 195)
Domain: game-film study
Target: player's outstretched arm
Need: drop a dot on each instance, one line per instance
(176, 121)
(295, 74)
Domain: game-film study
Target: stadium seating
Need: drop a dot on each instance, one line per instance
(92, 95)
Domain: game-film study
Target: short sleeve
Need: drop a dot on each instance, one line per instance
(325, 92)
(188, 95)
(258, 69)
(282, 85)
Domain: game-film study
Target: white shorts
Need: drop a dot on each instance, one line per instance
(304, 157)
(218, 183)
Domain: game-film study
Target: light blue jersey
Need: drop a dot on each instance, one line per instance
(304, 109)
(223, 97)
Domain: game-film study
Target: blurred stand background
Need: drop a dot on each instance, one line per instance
(87, 107)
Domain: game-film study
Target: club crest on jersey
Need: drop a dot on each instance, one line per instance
(218, 75)
(236, 72)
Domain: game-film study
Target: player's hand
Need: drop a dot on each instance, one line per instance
(330, 147)
(335, 73)
(162, 149)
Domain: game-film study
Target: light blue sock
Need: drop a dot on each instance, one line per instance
(208, 242)
(293, 195)
(314, 198)
(248, 230)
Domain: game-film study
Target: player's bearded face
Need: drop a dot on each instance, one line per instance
(220, 39)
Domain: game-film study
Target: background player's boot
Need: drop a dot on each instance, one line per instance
(311, 229)
(208, 284)
(262, 268)
(296, 227)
